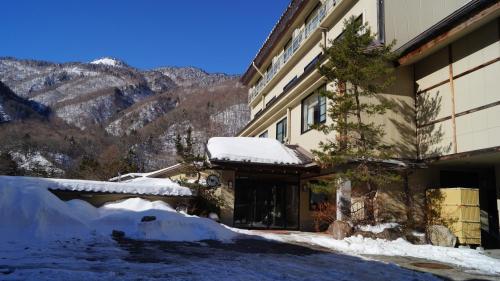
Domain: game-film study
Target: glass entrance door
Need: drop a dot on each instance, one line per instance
(270, 204)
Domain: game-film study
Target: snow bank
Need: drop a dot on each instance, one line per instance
(255, 150)
(467, 258)
(377, 228)
(30, 213)
(149, 186)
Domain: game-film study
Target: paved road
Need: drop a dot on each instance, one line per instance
(246, 259)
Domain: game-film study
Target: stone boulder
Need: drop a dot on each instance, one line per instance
(390, 234)
(340, 229)
(148, 218)
(440, 235)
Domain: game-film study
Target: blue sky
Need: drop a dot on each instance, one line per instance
(216, 35)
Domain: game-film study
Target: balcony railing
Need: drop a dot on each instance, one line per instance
(304, 33)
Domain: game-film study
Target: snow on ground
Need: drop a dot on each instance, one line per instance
(467, 258)
(151, 186)
(378, 228)
(29, 212)
(42, 237)
(255, 150)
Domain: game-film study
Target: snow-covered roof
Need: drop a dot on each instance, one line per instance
(252, 150)
(153, 174)
(143, 185)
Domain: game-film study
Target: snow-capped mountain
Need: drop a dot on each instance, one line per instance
(109, 61)
(110, 99)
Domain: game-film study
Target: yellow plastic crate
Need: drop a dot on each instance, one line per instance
(461, 205)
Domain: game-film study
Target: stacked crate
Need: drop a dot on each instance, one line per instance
(461, 206)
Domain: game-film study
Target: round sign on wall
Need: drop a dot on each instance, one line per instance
(213, 180)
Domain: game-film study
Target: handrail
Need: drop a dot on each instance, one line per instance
(297, 40)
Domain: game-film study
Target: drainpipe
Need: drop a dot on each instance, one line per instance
(324, 30)
(288, 125)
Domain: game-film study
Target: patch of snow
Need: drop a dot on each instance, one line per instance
(357, 245)
(377, 228)
(254, 150)
(4, 117)
(35, 160)
(417, 234)
(151, 186)
(107, 61)
(30, 213)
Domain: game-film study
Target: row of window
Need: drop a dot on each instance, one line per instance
(313, 110)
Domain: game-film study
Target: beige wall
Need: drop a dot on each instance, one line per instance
(405, 19)
(401, 92)
(475, 130)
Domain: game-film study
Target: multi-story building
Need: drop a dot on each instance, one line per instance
(447, 92)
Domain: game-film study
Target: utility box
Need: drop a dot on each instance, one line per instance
(460, 206)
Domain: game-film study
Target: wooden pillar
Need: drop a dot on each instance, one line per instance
(343, 201)
(452, 89)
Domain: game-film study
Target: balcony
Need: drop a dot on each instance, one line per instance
(300, 37)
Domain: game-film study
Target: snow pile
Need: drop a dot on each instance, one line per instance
(254, 150)
(107, 61)
(467, 258)
(30, 213)
(377, 228)
(150, 186)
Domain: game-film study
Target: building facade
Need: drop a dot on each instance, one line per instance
(447, 95)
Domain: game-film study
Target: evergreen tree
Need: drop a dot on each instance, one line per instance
(358, 68)
(206, 199)
(8, 166)
(194, 162)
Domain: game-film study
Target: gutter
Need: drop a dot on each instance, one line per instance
(444, 25)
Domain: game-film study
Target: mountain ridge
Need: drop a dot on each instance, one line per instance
(141, 108)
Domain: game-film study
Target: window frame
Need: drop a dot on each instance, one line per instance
(282, 122)
(316, 91)
(325, 199)
(264, 134)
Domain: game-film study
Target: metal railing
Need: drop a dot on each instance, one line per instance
(303, 33)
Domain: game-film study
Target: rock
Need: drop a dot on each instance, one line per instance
(440, 235)
(416, 238)
(213, 216)
(387, 234)
(340, 229)
(117, 234)
(365, 234)
(390, 234)
(148, 218)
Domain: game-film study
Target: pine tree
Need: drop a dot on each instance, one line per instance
(193, 161)
(359, 69)
(8, 166)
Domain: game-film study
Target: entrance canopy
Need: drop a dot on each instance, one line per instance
(256, 151)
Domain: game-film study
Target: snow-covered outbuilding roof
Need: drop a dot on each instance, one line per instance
(255, 150)
(142, 185)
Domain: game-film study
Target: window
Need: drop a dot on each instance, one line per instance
(281, 130)
(313, 109)
(316, 197)
(312, 14)
(264, 135)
